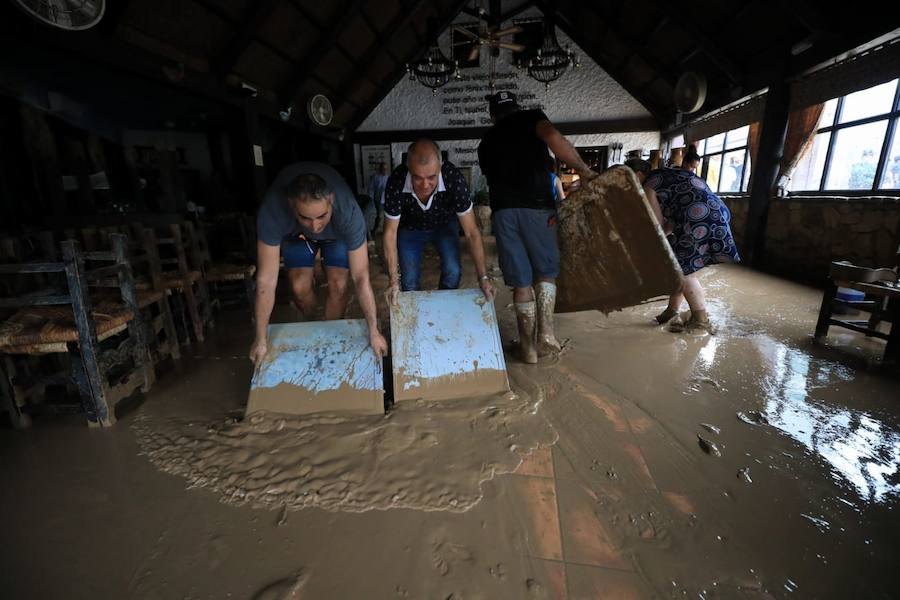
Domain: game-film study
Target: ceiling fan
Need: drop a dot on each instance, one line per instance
(489, 34)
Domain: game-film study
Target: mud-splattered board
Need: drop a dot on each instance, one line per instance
(318, 367)
(613, 254)
(446, 344)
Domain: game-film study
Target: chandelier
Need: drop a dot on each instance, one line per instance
(433, 70)
(551, 61)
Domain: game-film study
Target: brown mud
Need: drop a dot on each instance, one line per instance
(181, 501)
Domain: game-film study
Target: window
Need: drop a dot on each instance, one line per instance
(856, 145)
(726, 161)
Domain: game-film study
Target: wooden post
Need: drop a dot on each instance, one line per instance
(129, 155)
(198, 263)
(170, 181)
(40, 143)
(258, 168)
(148, 236)
(76, 163)
(91, 380)
(765, 169)
(187, 284)
(137, 327)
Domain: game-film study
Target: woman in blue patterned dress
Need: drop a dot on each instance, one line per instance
(697, 224)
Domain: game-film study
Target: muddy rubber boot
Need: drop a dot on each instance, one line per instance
(525, 316)
(546, 303)
(699, 321)
(665, 316)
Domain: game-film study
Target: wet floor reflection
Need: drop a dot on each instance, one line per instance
(861, 450)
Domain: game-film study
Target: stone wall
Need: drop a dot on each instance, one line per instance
(804, 234)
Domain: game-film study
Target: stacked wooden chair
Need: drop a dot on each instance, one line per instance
(67, 309)
(230, 273)
(152, 294)
(184, 277)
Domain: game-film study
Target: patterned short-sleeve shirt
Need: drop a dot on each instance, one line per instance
(449, 200)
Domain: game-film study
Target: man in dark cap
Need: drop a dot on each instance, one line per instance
(514, 158)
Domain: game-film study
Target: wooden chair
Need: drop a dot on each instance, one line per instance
(881, 301)
(230, 280)
(152, 296)
(105, 365)
(185, 281)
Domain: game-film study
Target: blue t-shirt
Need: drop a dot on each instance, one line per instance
(276, 219)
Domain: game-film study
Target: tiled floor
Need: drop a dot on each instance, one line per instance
(578, 557)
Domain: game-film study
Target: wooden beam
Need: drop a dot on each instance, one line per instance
(715, 53)
(515, 12)
(212, 9)
(377, 34)
(357, 70)
(634, 43)
(323, 46)
(808, 15)
(400, 70)
(470, 11)
(253, 20)
(382, 42)
(594, 52)
(474, 133)
(765, 169)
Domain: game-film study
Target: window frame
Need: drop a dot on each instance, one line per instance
(891, 117)
(705, 160)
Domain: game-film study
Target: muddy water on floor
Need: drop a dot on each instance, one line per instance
(801, 482)
(800, 501)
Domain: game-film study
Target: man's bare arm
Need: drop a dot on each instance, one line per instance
(359, 272)
(562, 148)
(267, 265)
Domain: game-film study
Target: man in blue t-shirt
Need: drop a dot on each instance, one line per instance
(310, 208)
(426, 201)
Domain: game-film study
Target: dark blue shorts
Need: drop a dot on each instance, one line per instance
(526, 245)
(299, 253)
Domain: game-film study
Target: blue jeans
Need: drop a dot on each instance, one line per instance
(411, 243)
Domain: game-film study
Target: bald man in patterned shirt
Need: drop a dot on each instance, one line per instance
(426, 201)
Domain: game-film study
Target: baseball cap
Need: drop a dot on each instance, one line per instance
(499, 99)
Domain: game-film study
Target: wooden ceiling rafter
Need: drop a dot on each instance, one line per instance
(315, 22)
(275, 50)
(707, 45)
(377, 35)
(382, 42)
(634, 44)
(400, 70)
(596, 54)
(246, 34)
(323, 46)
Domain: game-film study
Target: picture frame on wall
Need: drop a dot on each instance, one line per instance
(369, 159)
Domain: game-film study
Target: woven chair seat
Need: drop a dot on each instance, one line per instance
(229, 272)
(41, 329)
(174, 280)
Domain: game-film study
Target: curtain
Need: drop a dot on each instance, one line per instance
(801, 130)
(753, 149)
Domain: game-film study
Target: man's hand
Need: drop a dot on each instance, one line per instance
(392, 294)
(488, 289)
(587, 175)
(379, 345)
(258, 351)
